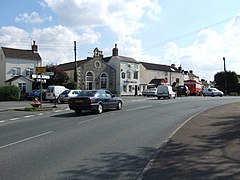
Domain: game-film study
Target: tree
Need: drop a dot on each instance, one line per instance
(59, 78)
(232, 81)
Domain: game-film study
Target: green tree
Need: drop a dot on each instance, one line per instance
(59, 78)
(232, 81)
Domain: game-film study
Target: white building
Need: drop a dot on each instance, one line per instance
(127, 73)
(17, 66)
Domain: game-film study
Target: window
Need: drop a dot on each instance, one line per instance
(123, 75)
(135, 75)
(124, 88)
(29, 71)
(104, 81)
(16, 71)
(130, 88)
(22, 86)
(129, 75)
(89, 80)
(177, 80)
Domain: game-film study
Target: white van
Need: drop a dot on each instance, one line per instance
(165, 91)
(53, 92)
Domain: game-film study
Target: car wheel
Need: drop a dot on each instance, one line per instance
(212, 95)
(78, 111)
(100, 108)
(62, 102)
(119, 105)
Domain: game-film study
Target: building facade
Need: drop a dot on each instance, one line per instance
(17, 66)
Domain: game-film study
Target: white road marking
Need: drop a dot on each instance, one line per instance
(2, 121)
(141, 107)
(26, 139)
(29, 116)
(40, 114)
(14, 119)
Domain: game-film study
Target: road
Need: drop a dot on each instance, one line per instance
(112, 145)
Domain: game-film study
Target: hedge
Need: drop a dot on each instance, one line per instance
(9, 93)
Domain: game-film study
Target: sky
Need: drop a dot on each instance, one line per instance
(195, 35)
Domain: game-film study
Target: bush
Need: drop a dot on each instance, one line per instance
(9, 93)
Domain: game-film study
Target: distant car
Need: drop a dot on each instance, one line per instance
(166, 92)
(53, 92)
(67, 94)
(95, 100)
(150, 92)
(36, 94)
(212, 92)
(182, 90)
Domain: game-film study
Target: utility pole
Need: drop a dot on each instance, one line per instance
(75, 59)
(225, 76)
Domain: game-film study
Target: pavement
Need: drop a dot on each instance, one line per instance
(206, 146)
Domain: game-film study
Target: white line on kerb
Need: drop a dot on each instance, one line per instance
(26, 139)
(141, 107)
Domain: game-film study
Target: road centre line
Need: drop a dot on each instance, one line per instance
(141, 107)
(26, 139)
(14, 119)
(29, 116)
(92, 119)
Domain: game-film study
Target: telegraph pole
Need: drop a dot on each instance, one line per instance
(75, 59)
(225, 76)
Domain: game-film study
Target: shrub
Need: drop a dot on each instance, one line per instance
(9, 93)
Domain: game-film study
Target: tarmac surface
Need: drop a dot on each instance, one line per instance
(207, 146)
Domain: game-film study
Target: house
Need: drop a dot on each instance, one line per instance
(127, 73)
(154, 74)
(17, 66)
(92, 73)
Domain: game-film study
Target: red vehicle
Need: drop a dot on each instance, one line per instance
(194, 87)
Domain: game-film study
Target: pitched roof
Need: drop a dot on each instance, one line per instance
(159, 67)
(71, 65)
(21, 54)
(121, 58)
(17, 77)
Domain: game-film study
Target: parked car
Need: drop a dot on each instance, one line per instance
(212, 92)
(67, 94)
(165, 91)
(36, 94)
(182, 90)
(150, 92)
(95, 100)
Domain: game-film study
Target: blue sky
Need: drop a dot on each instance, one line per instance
(193, 34)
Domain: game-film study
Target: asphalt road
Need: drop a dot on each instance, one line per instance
(112, 145)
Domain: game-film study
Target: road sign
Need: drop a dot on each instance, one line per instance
(48, 73)
(35, 76)
(40, 69)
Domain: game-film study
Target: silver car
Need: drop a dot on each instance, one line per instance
(67, 94)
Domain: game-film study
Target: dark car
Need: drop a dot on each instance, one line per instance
(95, 100)
(36, 94)
(182, 90)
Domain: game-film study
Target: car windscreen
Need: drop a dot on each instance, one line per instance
(87, 93)
(65, 92)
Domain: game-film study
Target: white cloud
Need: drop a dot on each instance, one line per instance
(33, 18)
(120, 16)
(205, 55)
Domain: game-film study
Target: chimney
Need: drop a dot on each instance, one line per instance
(115, 51)
(34, 47)
(180, 68)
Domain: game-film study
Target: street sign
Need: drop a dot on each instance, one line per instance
(35, 76)
(40, 69)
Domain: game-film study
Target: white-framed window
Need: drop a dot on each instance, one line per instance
(89, 80)
(123, 75)
(22, 86)
(135, 75)
(103, 81)
(128, 74)
(29, 71)
(16, 71)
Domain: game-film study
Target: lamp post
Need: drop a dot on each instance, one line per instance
(225, 76)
